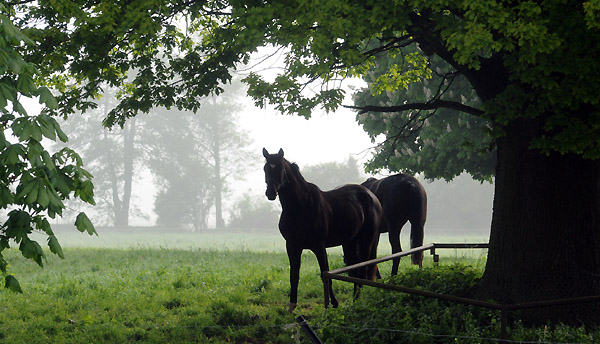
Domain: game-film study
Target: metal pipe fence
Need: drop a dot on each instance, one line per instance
(503, 308)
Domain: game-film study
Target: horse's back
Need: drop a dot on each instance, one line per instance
(402, 197)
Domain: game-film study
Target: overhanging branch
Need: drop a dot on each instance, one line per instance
(432, 105)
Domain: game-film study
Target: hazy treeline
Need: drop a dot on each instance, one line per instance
(460, 206)
(180, 165)
(177, 163)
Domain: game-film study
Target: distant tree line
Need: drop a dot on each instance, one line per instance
(462, 205)
(190, 157)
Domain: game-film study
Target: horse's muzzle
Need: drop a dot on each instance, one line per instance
(271, 194)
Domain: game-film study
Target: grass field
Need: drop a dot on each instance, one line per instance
(190, 288)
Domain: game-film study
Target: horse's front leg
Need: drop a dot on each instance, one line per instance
(321, 254)
(294, 256)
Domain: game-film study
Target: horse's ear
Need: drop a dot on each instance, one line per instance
(265, 153)
(280, 153)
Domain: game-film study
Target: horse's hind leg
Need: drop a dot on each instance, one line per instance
(351, 257)
(416, 240)
(394, 236)
(321, 254)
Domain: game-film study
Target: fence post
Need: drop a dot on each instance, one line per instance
(308, 330)
(503, 324)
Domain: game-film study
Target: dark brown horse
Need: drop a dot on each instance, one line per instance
(312, 219)
(403, 199)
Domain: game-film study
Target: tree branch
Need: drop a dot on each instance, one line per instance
(397, 42)
(432, 105)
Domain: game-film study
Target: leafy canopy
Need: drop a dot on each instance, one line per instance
(33, 182)
(524, 60)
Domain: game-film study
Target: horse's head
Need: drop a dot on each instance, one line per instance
(275, 175)
(369, 182)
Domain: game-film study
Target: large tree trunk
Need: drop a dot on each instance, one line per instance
(122, 206)
(220, 222)
(128, 157)
(545, 235)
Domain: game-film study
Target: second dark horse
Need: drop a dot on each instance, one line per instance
(312, 219)
(403, 199)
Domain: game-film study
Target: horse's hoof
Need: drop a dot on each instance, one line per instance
(334, 303)
(291, 307)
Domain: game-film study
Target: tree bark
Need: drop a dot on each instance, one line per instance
(128, 157)
(122, 207)
(220, 222)
(545, 234)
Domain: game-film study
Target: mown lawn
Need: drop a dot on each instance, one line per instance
(181, 289)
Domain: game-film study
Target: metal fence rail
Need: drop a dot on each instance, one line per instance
(503, 308)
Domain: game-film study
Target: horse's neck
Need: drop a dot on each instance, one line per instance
(296, 193)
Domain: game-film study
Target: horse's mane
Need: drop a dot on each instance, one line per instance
(314, 193)
(296, 172)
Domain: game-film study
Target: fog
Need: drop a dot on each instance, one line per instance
(461, 206)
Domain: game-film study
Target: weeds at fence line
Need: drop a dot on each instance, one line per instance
(504, 309)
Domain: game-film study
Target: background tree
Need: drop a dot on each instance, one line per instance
(329, 175)
(114, 157)
(224, 144)
(197, 154)
(439, 144)
(185, 181)
(251, 212)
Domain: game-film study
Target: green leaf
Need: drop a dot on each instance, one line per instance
(83, 224)
(6, 196)
(26, 84)
(62, 183)
(12, 154)
(7, 92)
(48, 161)
(85, 191)
(32, 250)
(46, 97)
(61, 135)
(47, 126)
(24, 190)
(18, 126)
(43, 199)
(36, 132)
(42, 223)
(3, 262)
(55, 246)
(10, 282)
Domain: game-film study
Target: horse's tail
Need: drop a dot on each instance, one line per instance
(417, 221)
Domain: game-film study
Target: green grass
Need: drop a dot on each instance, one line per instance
(151, 295)
(232, 288)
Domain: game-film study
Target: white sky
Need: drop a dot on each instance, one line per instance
(322, 138)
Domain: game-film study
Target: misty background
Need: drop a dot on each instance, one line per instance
(180, 171)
